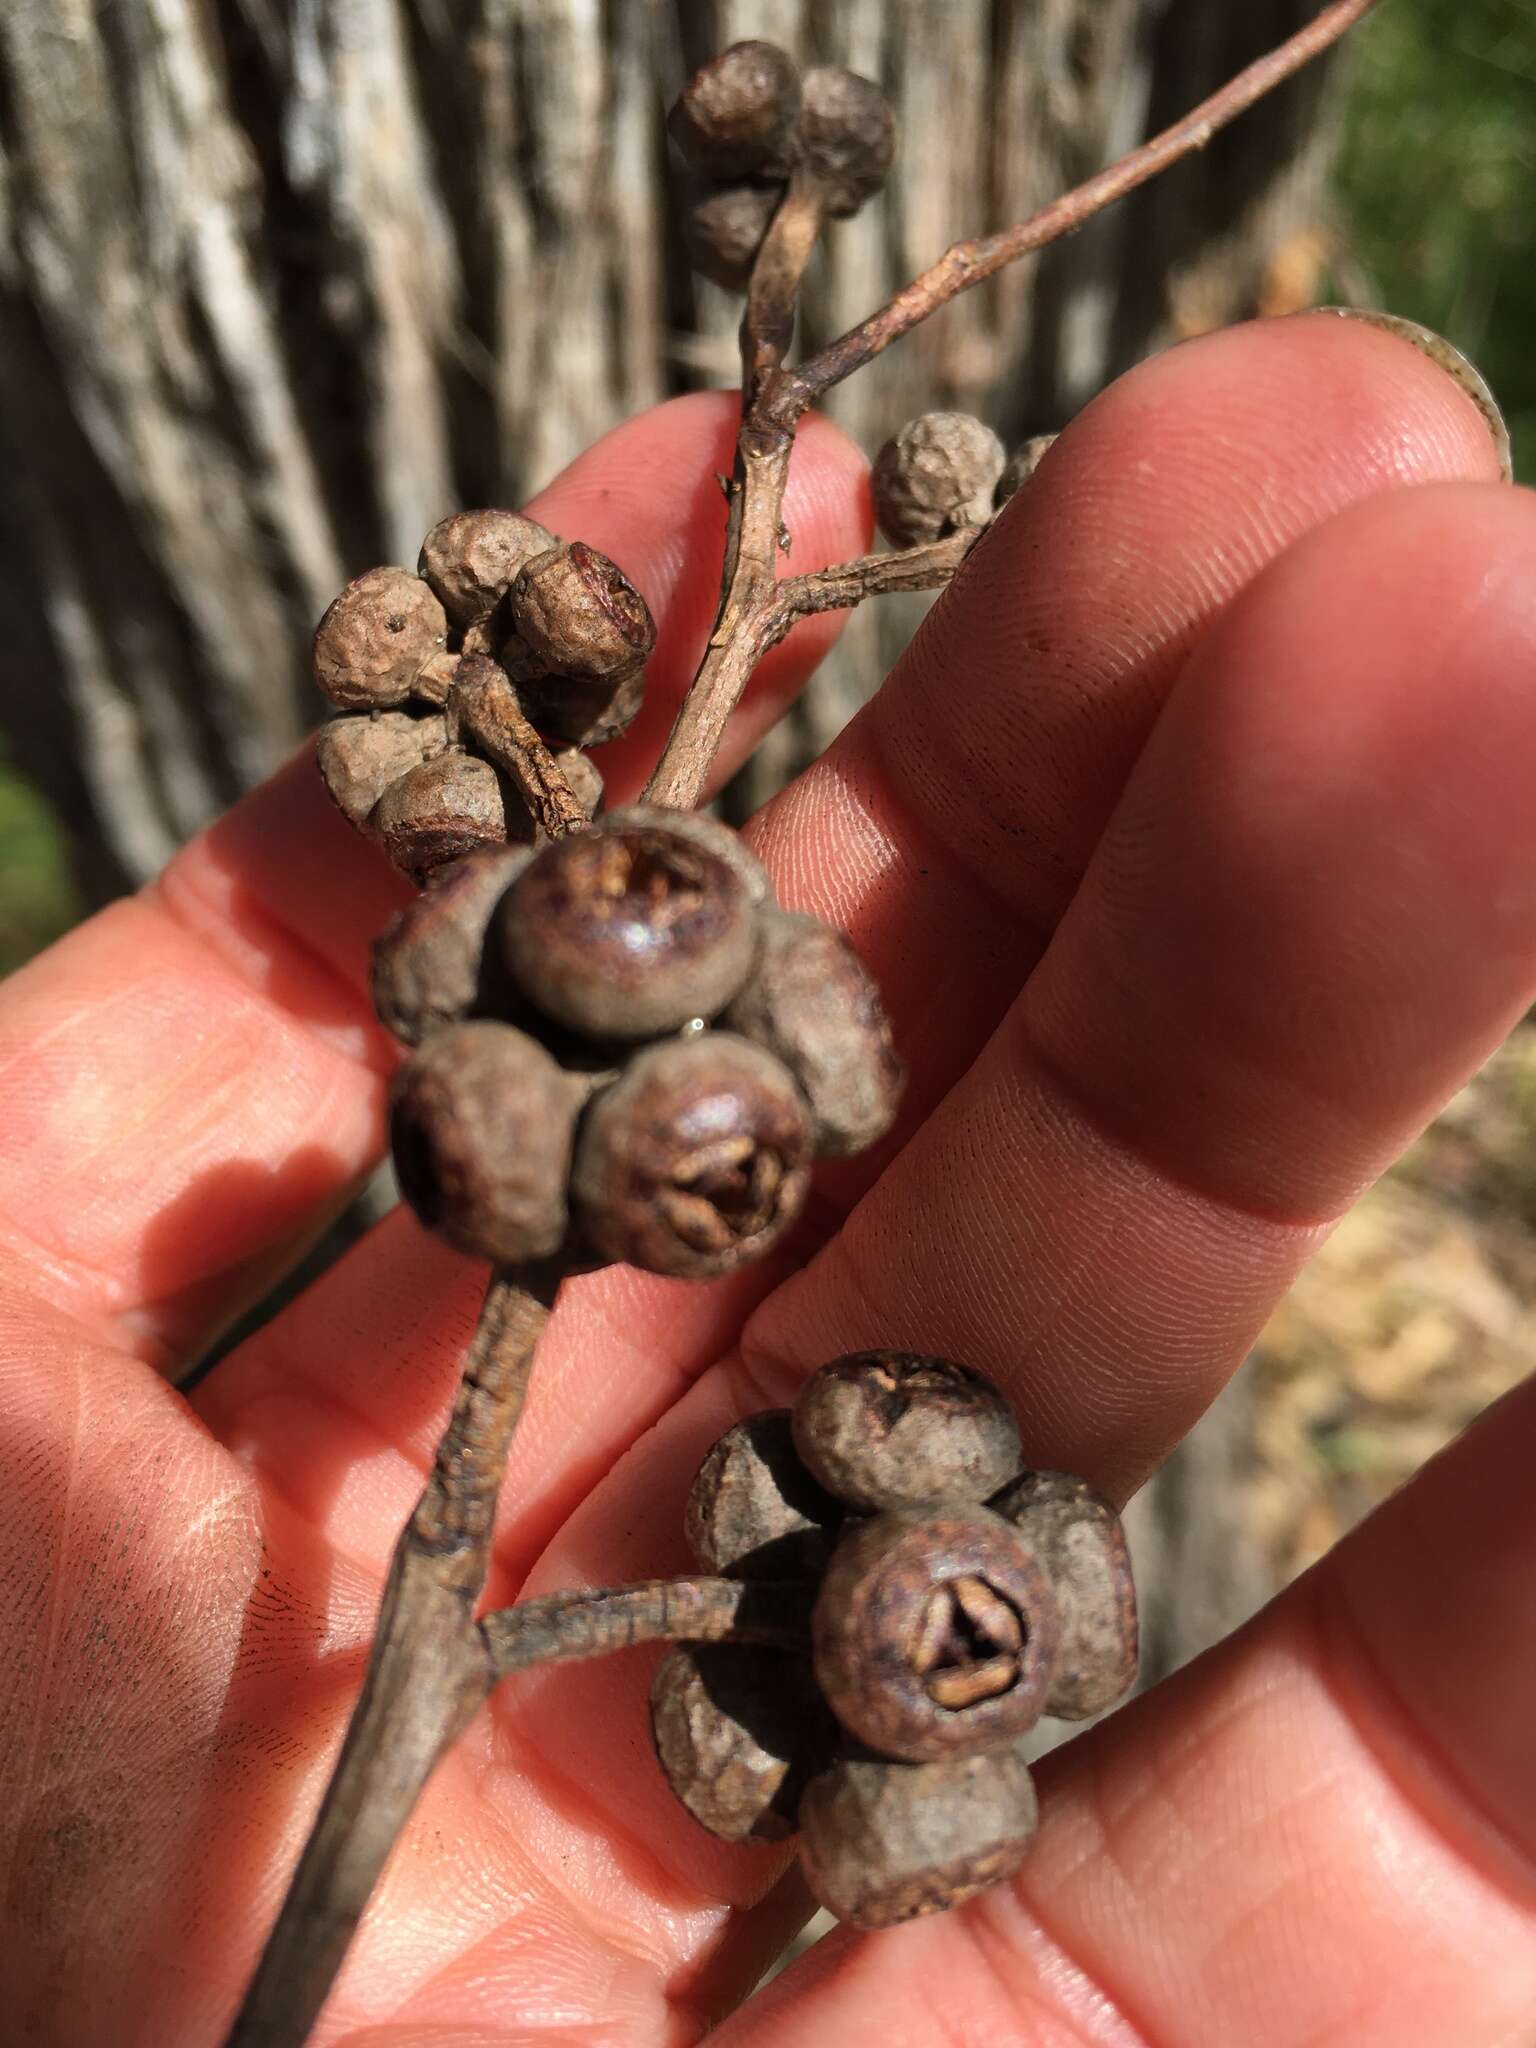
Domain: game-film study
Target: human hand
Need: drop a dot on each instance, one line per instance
(1192, 845)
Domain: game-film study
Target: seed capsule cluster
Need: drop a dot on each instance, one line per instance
(952, 1598)
(624, 1050)
(501, 619)
(746, 122)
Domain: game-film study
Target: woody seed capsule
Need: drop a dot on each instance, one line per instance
(734, 116)
(581, 636)
(884, 1842)
(753, 1509)
(472, 558)
(934, 476)
(628, 931)
(887, 1429)
(375, 638)
(810, 1001)
(847, 136)
(935, 1633)
(360, 757)
(695, 1161)
(1021, 466)
(737, 1732)
(431, 966)
(449, 806)
(1078, 1538)
(725, 229)
(480, 1125)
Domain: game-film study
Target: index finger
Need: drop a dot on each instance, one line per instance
(192, 1082)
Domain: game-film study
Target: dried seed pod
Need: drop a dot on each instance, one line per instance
(753, 1509)
(582, 635)
(472, 558)
(449, 806)
(375, 638)
(724, 227)
(847, 136)
(890, 1429)
(937, 474)
(810, 1001)
(628, 931)
(361, 756)
(734, 117)
(737, 1731)
(935, 1632)
(1021, 466)
(711, 835)
(1078, 1538)
(695, 1161)
(584, 776)
(431, 966)
(883, 1842)
(480, 1125)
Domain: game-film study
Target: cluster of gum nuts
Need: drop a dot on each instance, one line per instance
(952, 1598)
(744, 124)
(623, 1048)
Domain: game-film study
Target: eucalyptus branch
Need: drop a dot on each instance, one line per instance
(776, 399)
(971, 263)
(584, 632)
(426, 1675)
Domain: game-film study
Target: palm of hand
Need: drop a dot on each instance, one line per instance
(1190, 845)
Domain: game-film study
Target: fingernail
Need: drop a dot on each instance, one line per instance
(1456, 366)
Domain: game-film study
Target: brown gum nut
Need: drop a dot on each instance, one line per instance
(471, 558)
(695, 1161)
(753, 1509)
(935, 1633)
(737, 1731)
(429, 965)
(581, 635)
(628, 931)
(480, 1125)
(890, 1429)
(884, 1842)
(735, 115)
(375, 638)
(938, 473)
(725, 226)
(361, 754)
(1021, 466)
(847, 136)
(809, 1000)
(587, 711)
(584, 777)
(1079, 1540)
(449, 806)
(710, 835)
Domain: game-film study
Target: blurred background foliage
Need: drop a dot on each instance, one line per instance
(1432, 218)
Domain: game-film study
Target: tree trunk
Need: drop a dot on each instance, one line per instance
(283, 281)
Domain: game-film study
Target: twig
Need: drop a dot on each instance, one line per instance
(970, 263)
(490, 713)
(846, 584)
(427, 1674)
(570, 1625)
(781, 397)
(753, 525)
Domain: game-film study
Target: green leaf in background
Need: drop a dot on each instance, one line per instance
(1436, 184)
